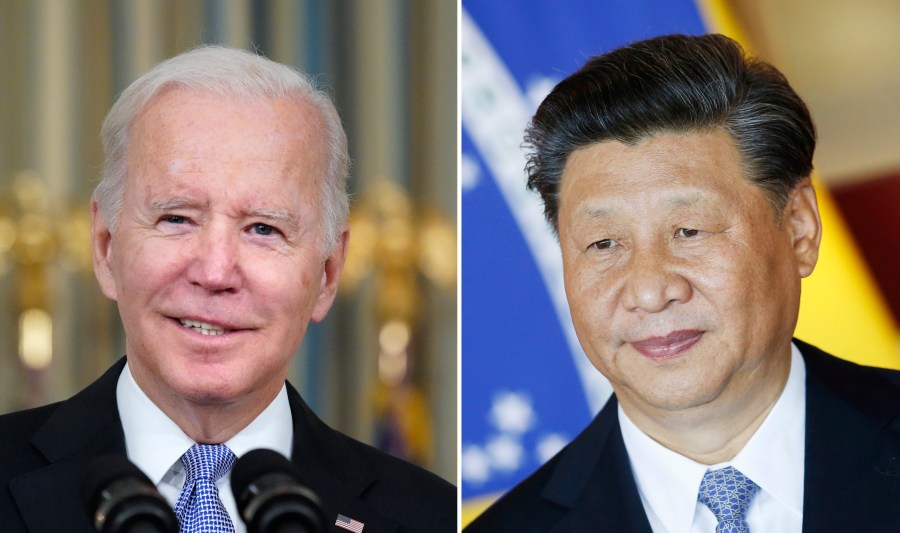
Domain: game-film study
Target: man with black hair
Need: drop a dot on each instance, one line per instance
(676, 174)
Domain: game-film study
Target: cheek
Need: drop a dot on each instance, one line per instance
(728, 270)
(591, 298)
(287, 286)
(144, 264)
(747, 286)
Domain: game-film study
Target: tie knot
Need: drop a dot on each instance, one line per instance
(727, 492)
(207, 462)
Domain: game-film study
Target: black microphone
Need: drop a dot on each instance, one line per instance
(270, 498)
(122, 499)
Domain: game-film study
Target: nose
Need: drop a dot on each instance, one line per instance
(653, 282)
(215, 262)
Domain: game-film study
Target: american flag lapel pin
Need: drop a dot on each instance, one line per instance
(345, 522)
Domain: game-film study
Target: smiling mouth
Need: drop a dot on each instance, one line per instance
(671, 345)
(204, 328)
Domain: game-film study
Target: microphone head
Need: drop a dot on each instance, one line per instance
(120, 498)
(270, 497)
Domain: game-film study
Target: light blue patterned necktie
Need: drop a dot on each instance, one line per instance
(199, 508)
(727, 492)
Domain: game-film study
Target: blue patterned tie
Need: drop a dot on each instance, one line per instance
(199, 508)
(727, 492)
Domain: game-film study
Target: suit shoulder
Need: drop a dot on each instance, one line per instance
(16, 431)
(25, 421)
(404, 486)
(522, 508)
(401, 492)
(874, 390)
(18, 457)
(542, 500)
(395, 469)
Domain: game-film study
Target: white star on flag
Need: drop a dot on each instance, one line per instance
(511, 412)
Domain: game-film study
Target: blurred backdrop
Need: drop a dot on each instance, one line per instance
(382, 367)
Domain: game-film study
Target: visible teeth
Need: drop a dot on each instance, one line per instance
(202, 327)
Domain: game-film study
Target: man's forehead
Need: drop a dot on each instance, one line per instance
(675, 155)
(175, 104)
(673, 171)
(599, 207)
(185, 130)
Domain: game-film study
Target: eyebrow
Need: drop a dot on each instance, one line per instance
(276, 215)
(171, 202)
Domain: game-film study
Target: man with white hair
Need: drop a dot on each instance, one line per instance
(219, 228)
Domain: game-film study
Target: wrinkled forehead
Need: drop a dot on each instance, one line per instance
(180, 125)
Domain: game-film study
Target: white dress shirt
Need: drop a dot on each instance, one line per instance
(668, 483)
(155, 443)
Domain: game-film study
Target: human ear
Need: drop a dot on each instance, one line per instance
(804, 226)
(331, 275)
(101, 246)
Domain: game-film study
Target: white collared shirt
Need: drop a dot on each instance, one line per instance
(155, 443)
(668, 483)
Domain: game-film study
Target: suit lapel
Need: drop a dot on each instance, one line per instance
(852, 463)
(81, 428)
(852, 459)
(333, 469)
(594, 480)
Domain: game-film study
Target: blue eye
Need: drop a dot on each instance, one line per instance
(174, 219)
(263, 229)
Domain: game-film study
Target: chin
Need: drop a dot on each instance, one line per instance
(676, 403)
(680, 396)
(208, 393)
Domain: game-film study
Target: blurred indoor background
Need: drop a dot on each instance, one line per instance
(842, 57)
(382, 367)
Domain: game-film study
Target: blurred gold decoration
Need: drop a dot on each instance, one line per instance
(437, 249)
(387, 235)
(394, 245)
(32, 237)
(36, 338)
(393, 341)
(388, 241)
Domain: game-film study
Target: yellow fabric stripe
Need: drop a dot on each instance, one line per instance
(473, 507)
(841, 310)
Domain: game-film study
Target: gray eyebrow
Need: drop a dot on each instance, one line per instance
(279, 216)
(171, 202)
(275, 215)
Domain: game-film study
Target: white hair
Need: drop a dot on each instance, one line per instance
(230, 72)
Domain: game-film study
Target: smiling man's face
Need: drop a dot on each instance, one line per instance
(684, 286)
(217, 262)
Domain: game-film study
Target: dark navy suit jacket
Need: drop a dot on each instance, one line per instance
(852, 464)
(43, 453)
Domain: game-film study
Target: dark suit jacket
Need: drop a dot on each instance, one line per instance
(44, 451)
(852, 464)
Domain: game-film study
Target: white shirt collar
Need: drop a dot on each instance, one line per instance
(775, 453)
(668, 482)
(155, 444)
